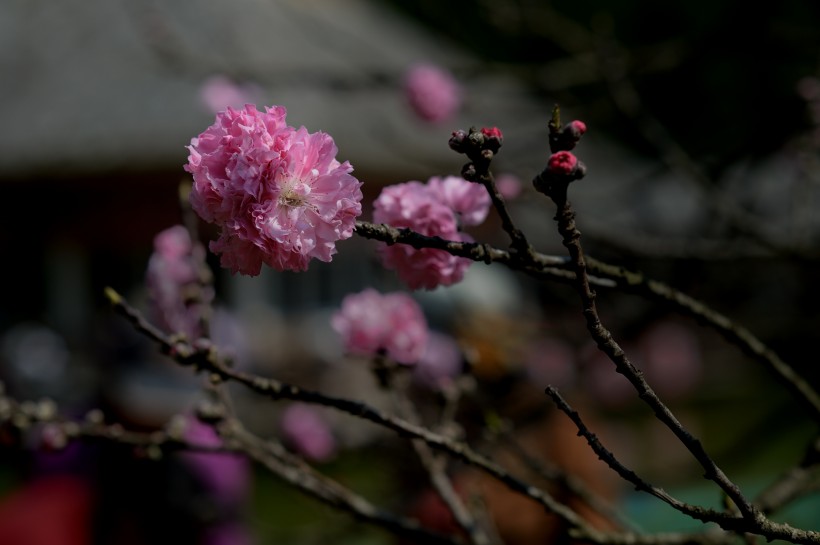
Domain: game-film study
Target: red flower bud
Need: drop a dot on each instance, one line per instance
(562, 163)
(492, 132)
(578, 127)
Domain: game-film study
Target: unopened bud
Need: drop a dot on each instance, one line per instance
(568, 136)
(468, 172)
(476, 138)
(492, 138)
(457, 141)
(577, 128)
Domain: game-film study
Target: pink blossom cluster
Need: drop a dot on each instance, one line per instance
(437, 208)
(278, 193)
(372, 323)
(432, 92)
(173, 282)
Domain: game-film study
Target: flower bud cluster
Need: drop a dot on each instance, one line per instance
(480, 146)
(563, 166)
(476, 143)
(566, 138)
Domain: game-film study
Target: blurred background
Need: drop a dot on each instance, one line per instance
(702, 151)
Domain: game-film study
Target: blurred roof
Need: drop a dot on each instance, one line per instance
(94, 85)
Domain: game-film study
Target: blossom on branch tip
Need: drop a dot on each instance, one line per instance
(416, 206)
(392, 324)
(278, 193)
(432, 92)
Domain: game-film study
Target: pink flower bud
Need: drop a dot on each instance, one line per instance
(562, 162)
(578, 127)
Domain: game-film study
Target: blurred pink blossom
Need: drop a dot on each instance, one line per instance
(278, 193)
(671, 359)
(414, 205)
(227, 478)
(370, 322)
(172, 279)
(551, 361)
(470, 201)
(307, 432)
(226, 475)
(604, 384)
(227, 533)
(432, 92)
(218, 92)
(441, 361)
(509, 185)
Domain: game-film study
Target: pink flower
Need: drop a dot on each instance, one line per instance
(370, 323)
(432, 92)
(278, 193)
(416, 206)
(173, 282)
(470, 201)
(550, 361)
(307, 432)
(672, 356)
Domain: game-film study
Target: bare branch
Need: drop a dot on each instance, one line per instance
(305, 478)
(606, 275)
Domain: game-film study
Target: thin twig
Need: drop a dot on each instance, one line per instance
(435, 465)
(305, 478)
(636, 282)
(753, 521)
(207, 359)
(567, 481)
(565, 218)
(609, 459)
(794, 483)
